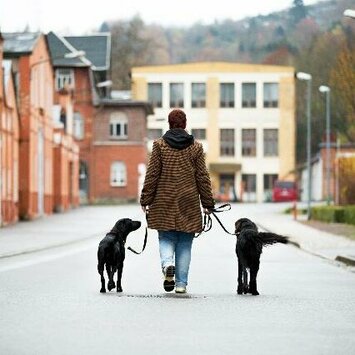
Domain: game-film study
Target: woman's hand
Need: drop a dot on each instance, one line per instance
(206, 211)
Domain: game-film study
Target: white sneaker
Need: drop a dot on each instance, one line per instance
(181, 289)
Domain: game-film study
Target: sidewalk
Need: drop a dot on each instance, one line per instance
(312, 240)
(94, 221)
(62, 229)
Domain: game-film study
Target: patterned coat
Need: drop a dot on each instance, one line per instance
(176, 182)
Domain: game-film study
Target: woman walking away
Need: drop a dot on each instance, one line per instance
(176, 184)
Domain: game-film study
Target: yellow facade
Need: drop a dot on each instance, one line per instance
(215, 73)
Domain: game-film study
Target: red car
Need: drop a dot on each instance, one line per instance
(284, 191)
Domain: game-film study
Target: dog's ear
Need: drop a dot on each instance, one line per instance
(238, 226)
(121, 225)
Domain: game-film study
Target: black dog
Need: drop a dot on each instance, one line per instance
(249, 246)
(112, 252)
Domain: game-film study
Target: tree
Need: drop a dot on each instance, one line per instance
(318, 60)
(342, 81)
(129, 48)
(297, 11)
(104, 27)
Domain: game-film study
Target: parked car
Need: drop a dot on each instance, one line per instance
(284, 191)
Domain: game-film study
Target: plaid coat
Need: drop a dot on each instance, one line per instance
(176, 184)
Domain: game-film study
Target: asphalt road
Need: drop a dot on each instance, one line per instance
(50, 304)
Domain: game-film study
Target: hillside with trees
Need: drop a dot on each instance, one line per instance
(316, 39)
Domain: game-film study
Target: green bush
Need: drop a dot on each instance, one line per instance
(349, 214)
(329, 214)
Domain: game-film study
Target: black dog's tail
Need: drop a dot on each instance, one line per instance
(268, 238)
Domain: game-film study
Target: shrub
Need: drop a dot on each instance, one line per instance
(349, 214)
(329, 214)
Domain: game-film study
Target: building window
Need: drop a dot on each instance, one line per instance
(155, 94)
(227, 188)
(118, 126)
(64, 78)
(248, 95)
(227, 142)
(226, 95)
(271, 94)
(78, 126)
(118, 174)
(271, 143)
(269, 180)
(154, 133)
(249, 187)
(248, 142)
(176, 95)
(198, 95)
(199, 133)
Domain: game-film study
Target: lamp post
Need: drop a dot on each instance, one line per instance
(325, 89)
(308, 77)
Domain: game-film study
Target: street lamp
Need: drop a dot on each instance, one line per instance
(349, 13)
(326, 90)
(308, 77)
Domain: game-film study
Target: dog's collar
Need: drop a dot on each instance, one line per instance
(119, 239)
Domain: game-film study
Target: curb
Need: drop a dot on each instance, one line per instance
(349, 261)
(346, 260)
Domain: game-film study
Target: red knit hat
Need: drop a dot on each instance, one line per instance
(177, 119)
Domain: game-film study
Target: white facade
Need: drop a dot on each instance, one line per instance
(316, 179)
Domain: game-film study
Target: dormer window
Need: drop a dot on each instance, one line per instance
(64, 79)
(118, 126)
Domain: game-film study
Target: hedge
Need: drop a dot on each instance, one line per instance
(329, 214)
(349, 214)
(334, 214)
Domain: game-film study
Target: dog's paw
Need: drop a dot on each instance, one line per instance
(103, 290)
(119, 289)
(255, 293)
(111, 286)
(239, 290)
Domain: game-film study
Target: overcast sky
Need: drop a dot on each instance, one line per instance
(82, 16)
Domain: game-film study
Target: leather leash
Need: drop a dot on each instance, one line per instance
(207, 225)
(207, 220)
(144, 242)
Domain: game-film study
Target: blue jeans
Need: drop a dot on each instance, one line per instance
(178, 244)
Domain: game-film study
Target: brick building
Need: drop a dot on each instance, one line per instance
(9, 148)
(34, 90)
(341, 173)
(9, 136)
(65, 156)
(119, 153)
(79, 75)
(110, 133)
(44, 184)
